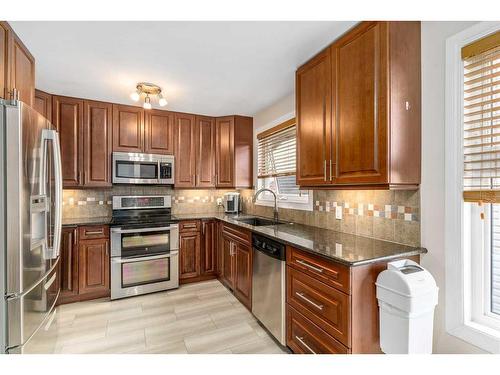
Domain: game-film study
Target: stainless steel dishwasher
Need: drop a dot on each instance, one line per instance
(269, 285)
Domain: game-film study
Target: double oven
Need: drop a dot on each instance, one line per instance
(144, 246)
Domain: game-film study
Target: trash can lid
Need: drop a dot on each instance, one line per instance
(407, 278)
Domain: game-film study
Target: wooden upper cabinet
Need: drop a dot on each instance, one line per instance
(17, 66)
(360, 114)
(22, 73)
(185, 150)
(372, 114)
(67, 117)
(225, 152)
(315, 154)
(128, 128)
(97, 129)
(159, 132)
(234, 152)
(43, 104)
(205, 151)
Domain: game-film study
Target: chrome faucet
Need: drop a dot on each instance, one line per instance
(276, 216)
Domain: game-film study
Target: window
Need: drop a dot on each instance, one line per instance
(472, 183)
(276, 167)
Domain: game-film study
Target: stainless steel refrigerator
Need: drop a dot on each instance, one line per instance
(30, 228)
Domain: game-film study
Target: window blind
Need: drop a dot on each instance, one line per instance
(481, 178)
(276, 152)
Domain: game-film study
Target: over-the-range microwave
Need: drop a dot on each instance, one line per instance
(136, 168)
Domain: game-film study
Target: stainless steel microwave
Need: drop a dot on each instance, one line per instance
(135, 168)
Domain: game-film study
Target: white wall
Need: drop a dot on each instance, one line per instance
(432, 192)
(279, 111)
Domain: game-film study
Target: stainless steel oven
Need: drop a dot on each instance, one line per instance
(135, 168)
(144, 246)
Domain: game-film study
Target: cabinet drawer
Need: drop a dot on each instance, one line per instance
(91, 232)
(237, 234)
(304, 337)
(331, 273)
(190, 226)
(324, 305)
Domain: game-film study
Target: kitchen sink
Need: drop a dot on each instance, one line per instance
(258, 221)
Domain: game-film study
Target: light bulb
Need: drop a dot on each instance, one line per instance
(162, 101)
(147, 103)
(135, 96)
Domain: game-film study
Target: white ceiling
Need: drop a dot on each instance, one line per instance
(212, 68)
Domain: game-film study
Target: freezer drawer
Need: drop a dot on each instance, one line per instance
(27, 312)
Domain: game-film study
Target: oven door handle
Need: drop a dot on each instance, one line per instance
(143, 230)
(143, 259)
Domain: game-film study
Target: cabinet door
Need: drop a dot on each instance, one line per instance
(189, 259)
(93, 266)
(67, 117)
(243, 274)
(209, 247)
(224, 152)
(227, 270)
(69, 265)
(360, 113)
(128, 128)
(4, 60)
(43, 104)
(205, 151)
(185, 151)
(159, 132)
(97, 144)
(22, 71)
(315, 155)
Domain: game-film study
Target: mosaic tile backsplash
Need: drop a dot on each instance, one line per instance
(388, 215)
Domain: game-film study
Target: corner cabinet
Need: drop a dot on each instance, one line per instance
(234, 152)
(358, 109)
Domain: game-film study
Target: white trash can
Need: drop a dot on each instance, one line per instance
(407, 295)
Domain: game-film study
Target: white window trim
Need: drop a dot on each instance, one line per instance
(457, 264)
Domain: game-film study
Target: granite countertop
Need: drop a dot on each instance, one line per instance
(348, 249)
(345, 248)
(98, 220)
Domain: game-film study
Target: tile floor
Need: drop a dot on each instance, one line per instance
(196, 318)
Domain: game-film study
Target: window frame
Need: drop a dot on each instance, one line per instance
(286, 201)
(459, 292)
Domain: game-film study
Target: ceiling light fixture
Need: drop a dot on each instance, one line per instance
(147, 89)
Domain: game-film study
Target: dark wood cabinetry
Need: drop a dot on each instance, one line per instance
(128, 128)
(17, 67)
(315, 153)
(358, 109)
(97, 144)
(159, 132)
(185, 150)
(43, 104)
(189, 254)
(69, 265)
(208, 257)
(234, 152)
(67, 117)
(236, 267)
(205, 151)
(84, 263)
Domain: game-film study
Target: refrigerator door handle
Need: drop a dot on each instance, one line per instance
(54, 137)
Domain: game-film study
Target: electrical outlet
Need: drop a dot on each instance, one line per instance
(338, 212)
(219, 201)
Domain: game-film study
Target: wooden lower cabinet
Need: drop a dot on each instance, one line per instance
(189, 255)
(236, 267)
(69, 265)
(84, 263)
(208, 252)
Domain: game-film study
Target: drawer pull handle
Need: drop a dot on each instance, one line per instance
(301, 295)
(93, 233)
(301, 340)
(317, 269)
